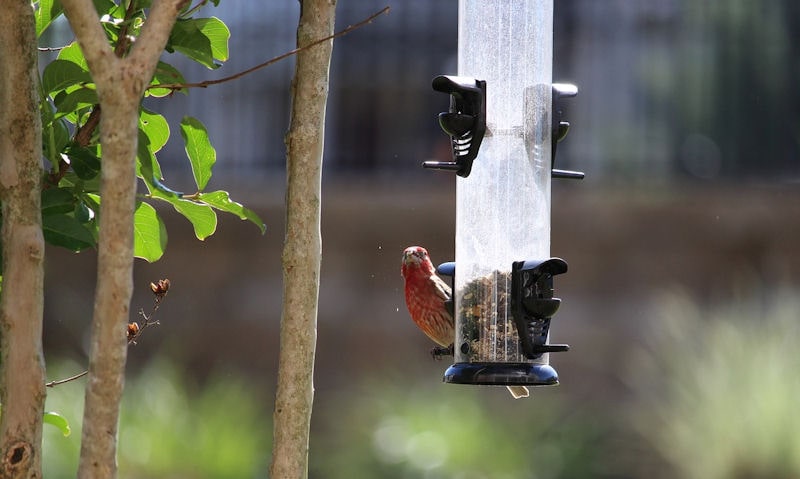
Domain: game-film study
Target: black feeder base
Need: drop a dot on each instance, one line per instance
(502, 374)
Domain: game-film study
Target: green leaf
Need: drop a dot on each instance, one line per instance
(73, 53)
(84, 162)
(46, 110)
(92, 201)
(60, 74)
(67, 103)
(49, 149)
(202, 217)
(83, 213)
(221, 200)
(201, 153)
(57, 420)
(148, 169)
(165, 74)
(147, 165)
(56, 201)
(201, 39)
(105, 6)
(55, 136)
(71, 180)
(218, 34)
(65, 231)
(155, 127)
(150, 234)
(46, 12)
(187, 39)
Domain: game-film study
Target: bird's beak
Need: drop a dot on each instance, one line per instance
(411, 257)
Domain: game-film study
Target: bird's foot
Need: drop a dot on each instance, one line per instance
(438, 351)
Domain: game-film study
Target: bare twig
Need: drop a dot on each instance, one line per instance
(66, 380)
(160, 290)
(190, 12)
(84, 133)
(52, 49)
(207, 83)
(124, 40)
(83, 136)
(135, 329)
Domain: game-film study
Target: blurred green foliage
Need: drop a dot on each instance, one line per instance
(717, 389)
(400, 430)
(714, 392)
(169, 429)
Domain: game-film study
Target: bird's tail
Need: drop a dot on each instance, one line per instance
(518, 391)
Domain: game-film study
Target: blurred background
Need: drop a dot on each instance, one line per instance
(680, 305)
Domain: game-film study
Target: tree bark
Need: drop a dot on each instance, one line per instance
(303, 243)
(22, 375)
(120, 85)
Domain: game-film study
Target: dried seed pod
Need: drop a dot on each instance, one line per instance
(160, 288)
(133, 330)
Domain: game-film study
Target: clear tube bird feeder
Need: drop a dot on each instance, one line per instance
(502, 103)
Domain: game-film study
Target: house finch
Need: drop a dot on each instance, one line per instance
(426, 295)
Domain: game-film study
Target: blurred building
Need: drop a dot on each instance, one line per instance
(670, 89)
(381, 109)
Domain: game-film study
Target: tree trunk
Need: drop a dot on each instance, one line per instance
(22, 390)
(303, 244)
(113, 292)
(120, 85)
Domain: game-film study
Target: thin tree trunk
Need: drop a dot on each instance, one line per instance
(120, 85)
(113, 292)
(22, 376)
(303, 244)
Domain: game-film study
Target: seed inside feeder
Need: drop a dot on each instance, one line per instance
(487, 331)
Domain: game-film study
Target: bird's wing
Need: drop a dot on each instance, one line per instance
(441, 288)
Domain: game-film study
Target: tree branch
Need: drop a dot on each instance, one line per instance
(92, 39)
(52, 384)
(153, 38)
(83, 135)
(207, 83)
